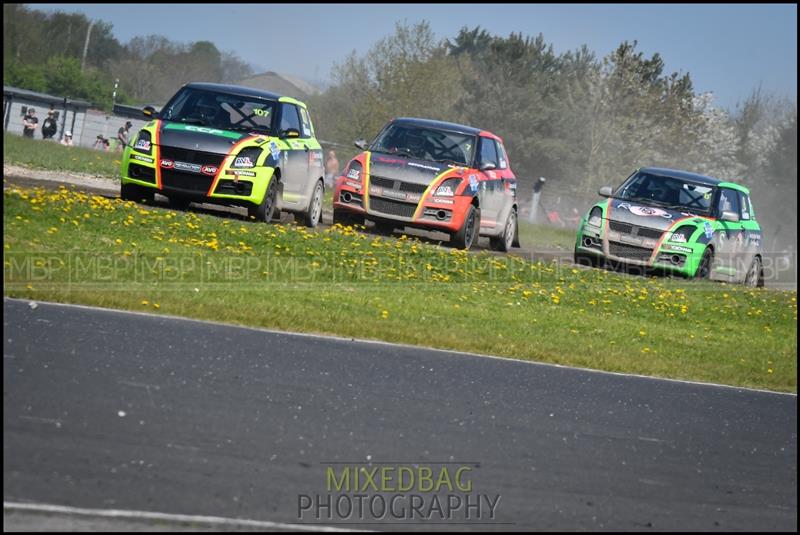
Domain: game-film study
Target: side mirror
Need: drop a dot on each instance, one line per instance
(290, 133)
(149, 112)
(488, 166)
(727, 215)
(605, 191)
(361, 144)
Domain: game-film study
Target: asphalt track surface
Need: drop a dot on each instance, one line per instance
(113, 410)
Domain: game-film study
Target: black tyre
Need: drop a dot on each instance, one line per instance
(346, 218)
(136, 193)
(704, 269)
(313, 215)
(516, 234)
(505, 241)
(178, 203)
(384, 228)
(755, 274)
(465, 237)
(266, 210)
(587, 260)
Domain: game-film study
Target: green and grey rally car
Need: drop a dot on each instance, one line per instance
(231, 145)
(678, 222)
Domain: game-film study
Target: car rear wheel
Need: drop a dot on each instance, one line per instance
(136, 193)
(505, 241)
(755, 275)
(465, 237)
(266, 210)
(313, 215)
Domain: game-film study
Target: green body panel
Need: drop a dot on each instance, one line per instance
(693, 248)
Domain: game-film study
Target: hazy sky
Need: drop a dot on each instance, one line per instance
(727, 49)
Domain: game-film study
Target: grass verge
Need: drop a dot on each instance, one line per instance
(73, 247)
(40, 154)
(545, 237)
(50, 155)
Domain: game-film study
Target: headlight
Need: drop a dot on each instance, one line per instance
(595, 217)
(143, 143)
(353, 170)
(683, 234)
(247, 158)
(447, 188)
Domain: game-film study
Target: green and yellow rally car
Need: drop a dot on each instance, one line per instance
(224, 144)
(675, 221)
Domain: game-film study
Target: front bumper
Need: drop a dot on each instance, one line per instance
(227, 186)
(445, 214)
(679, 258)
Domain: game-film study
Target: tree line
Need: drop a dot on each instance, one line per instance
(580, 120)
(45, 52)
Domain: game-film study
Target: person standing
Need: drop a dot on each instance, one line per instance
(29, 123)
(49, 126)
(123, 135)
(331, 169)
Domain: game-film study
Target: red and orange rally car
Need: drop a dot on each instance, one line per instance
(432, 175)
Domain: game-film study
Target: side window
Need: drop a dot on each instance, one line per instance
(289, 118)
(728, 201)
(307, 131)
(487, 153)
(502, 162)
(746, 214)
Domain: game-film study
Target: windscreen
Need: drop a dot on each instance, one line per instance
(668, 192)
(219, 110)
(426, 144)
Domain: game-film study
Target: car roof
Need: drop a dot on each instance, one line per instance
(443, 125)
(234, 90)
(683, 175)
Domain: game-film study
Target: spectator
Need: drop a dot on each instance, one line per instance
(574, 219)
(554, 218)
(331, 168)
(29, 123)
(101, 143)
(67, 141)
(123, 135)
(49, 126)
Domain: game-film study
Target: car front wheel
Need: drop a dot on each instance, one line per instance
(704, 269)
(265, 210)
(465, 237)
(136, 193)
(586, 260)
(346, 218)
